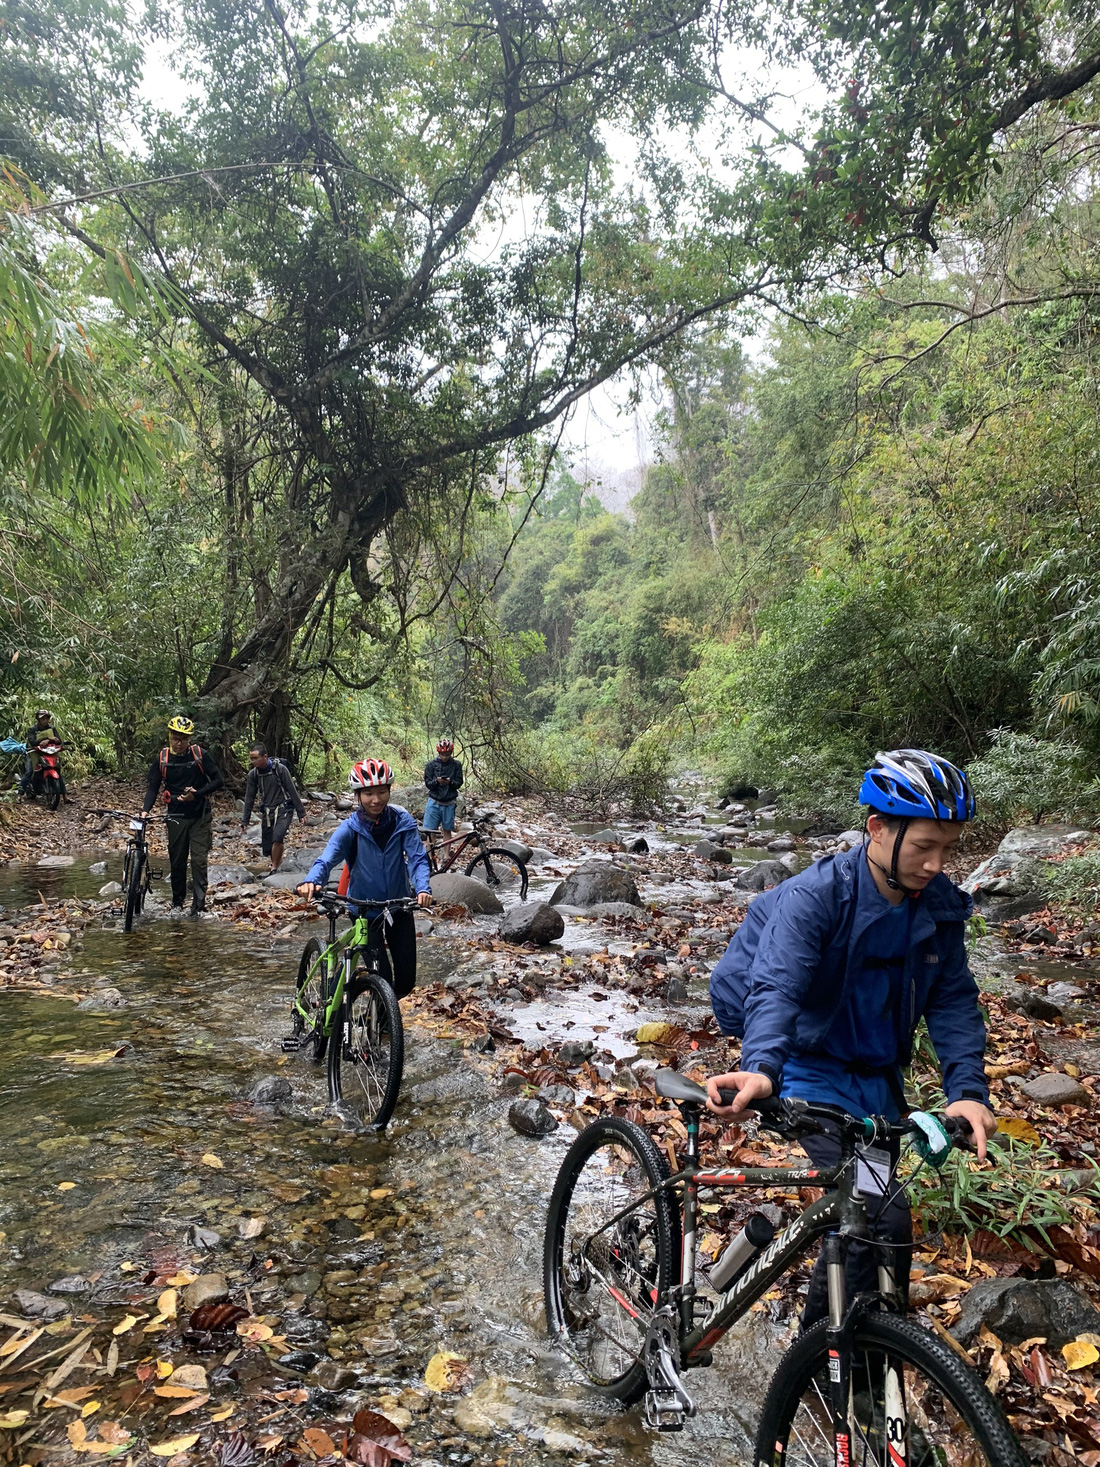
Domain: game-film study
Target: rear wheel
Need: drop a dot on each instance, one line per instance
(312, 990)
(604, 1273)
(367, 1053)
(913, 1401)
(498, 867)
(134, 889)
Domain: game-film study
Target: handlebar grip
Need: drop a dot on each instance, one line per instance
(956, 1125)
(726, 1097)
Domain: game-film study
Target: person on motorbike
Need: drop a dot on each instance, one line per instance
(831, 971)
(385, 858)
(189, 776)
(41, 731)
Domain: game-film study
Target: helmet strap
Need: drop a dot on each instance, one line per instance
(892, 875)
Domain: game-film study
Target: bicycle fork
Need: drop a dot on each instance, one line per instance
(894, 1447)
(668, 1404)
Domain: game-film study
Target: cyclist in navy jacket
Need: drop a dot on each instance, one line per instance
(386, 859)
(830, 972)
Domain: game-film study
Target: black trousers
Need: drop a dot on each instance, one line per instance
(190, 838)
(891, 1222)
(399, 936)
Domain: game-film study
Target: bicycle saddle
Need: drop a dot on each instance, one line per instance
(672, 1086)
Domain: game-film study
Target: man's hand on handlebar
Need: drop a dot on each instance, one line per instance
(309, 890)
(423, 899)
(749, 1086)
(983, 1123)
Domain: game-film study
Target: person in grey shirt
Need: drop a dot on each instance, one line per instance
(271, 785)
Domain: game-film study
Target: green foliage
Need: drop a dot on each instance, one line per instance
(1075, 882)
(1022, 776)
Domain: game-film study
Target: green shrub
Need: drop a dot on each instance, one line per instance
(1022, 777)
(579, 764)
(1075, 882)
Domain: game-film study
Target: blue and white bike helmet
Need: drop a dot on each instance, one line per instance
(912, 784)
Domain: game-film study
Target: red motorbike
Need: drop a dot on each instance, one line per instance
(46, 779)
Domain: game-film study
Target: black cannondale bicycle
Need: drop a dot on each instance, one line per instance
(137, 873)
(345, 1006)
(866, 1387)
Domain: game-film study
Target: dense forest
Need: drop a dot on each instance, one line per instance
(285, 363)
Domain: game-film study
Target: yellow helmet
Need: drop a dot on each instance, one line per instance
(180, 725)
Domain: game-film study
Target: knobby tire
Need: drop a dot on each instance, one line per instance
(639, 1258)
(313, 993)
(945, 1400)
(498, 867)
(134, 889)
(53, 794)
(365, 1074)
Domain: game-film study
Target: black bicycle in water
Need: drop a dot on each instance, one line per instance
(866, 1387)
(345, 1006)
(137, 873)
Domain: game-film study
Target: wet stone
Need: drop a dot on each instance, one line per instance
(676, 992)
(98, 868)
(576, 1051)
(208, 1288)
(535, 922)
(308, 1282)
(270, 1089)
(111, 889)
(74, 1283)
(37, 1306)
(102, 998)
(206, 1238)
(531, 1118)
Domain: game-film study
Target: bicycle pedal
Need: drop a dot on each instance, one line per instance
(664, 1411)
(294, 1043)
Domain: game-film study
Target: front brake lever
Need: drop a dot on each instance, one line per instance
(784, 1117)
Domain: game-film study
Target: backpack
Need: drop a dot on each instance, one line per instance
(196, 754)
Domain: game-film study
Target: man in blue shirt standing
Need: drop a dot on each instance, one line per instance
(830, 972)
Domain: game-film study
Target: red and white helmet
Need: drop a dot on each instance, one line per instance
(445, 746)
(369, 774)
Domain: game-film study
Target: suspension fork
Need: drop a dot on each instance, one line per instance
(691, 1211)
(839, 1342)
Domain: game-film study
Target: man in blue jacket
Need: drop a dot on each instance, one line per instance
(830, 972)
(386, 859)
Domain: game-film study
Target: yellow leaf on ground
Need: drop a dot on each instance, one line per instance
(91, 1408)
(193, 1376)
(167, 1302)
(177, 1444)
(192, 1405)
(9, 1420)
(1020, 1130)
(174, 1392)
(319, 1442)
(1078, 1353)
(446, 1371)
(380, 1192)
(164, 1369)
(252, 1329)
(65, 1186)
(224, 1414)
(125, 1324)
(209, 1159)
(182, 1279)
(77, 1433)
(655, 1033)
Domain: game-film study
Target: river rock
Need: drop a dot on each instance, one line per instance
(270, 1089)
(710, 852)
(283, 880)
(1056, 1089)
(638, 845)
(37, 1306)
(73, 1283)
(200, 1237)
(847, 840)
(611, 909)
(307, 1283)
(535, 922)
(1021, 1309)
(191, 1376)
(596, 881)
(492, 1406)
(676, 991)
(53, 862)
(605, 838)
(1032, 1002)
(102, 998)
(540, 856)
(208, 1288)
(576, 1051)
(781, 843)
(111, 889)
(762, 875)
(230, 874)
(531, 1118)
(518, 849)
(451, 889)
(98, 868)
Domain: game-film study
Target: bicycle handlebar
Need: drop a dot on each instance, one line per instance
(329, 898)
(793, 1117)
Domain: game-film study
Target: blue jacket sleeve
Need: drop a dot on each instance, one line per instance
(339, 844)
(787, 962)
(420, 870)
(955, 1024)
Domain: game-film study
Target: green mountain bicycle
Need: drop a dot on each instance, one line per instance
(345, 1007)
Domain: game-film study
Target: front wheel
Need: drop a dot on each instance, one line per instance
(498, 867)
(611, 1251)
(134, 890)
(53, 794)
(912, 1400)
(367, 1052)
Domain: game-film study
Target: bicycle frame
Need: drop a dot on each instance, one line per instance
(460, 842)
(843, 1210)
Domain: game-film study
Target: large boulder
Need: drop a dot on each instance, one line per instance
(596, 881)
(708, 851)
(533, 922)
(1023, 1309)
(284, 880)
(451, 889)
(1009, 882)
(518, 849)
(1055, 1089)
(762, 875)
